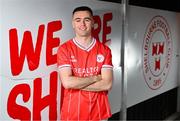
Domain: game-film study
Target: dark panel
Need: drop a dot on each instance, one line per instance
(157, 108)
(171, 5)
(114, 1)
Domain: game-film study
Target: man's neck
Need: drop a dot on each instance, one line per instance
(84, 41)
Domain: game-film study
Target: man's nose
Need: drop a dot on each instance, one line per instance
(83, 22)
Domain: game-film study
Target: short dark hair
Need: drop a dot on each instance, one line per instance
(83, 8)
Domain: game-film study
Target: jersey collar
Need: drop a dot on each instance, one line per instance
(82, 47)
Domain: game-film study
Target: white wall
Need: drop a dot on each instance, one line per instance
(143, 85)
(29, 16)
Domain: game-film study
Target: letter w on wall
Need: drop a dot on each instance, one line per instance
(27, 50)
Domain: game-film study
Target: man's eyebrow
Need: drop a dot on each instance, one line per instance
(83, 18)
(87, 18)
(76, 18)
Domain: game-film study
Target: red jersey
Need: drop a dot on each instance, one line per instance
(79, 104)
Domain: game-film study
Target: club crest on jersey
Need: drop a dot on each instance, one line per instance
(100, 58)
(157, 52)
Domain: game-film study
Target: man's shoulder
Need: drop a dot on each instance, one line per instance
(103, 45)
(67, 43)
(64, 46)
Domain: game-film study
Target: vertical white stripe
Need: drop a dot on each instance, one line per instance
(107, 107)
(99, 109)
(90, 106)
(69, 103)
(79, 99)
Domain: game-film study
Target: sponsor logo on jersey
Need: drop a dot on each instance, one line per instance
(84, 72)
(157, 52)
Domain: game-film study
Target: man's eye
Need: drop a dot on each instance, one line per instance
(78, 20)
(87, 20)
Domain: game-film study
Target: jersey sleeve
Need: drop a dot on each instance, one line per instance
(108, 60)
(63, 57)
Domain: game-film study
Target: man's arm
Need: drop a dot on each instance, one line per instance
(73, 82)
(104, 84)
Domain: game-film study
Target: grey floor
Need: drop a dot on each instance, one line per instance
(178, 118)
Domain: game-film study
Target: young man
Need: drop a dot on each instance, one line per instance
(86, 72)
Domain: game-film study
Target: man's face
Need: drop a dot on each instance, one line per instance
(82, 23)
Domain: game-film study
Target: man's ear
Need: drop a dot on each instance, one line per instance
(72, 24)
(92, 23)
